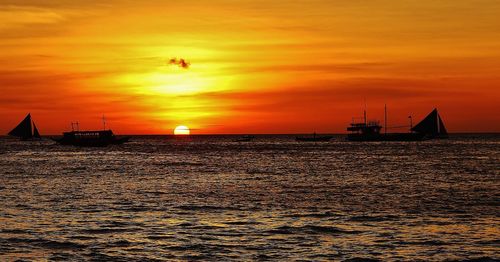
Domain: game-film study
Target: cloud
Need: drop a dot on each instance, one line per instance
(180, 62)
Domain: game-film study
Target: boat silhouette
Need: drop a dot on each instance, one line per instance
(26, 130)
(313, 138)
(431, 127)
(90, 138)
(246, 138)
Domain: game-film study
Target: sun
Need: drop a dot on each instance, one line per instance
(181, 130)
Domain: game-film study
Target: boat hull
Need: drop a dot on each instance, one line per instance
(91, 142)
(386, 137)
(314, 139)
(91, 138)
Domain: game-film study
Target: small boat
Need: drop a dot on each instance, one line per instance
(246, 138)
(314, 138)
(91, 138)
(26, 130)
(431, 127)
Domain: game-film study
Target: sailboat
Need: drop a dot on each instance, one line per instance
(26, 130)
(432, 126)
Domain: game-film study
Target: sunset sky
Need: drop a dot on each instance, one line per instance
(273, 66)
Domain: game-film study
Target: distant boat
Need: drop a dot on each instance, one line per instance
(314, 138)
(246, 138)
(91, 138)
(431, 127)
(26, 130)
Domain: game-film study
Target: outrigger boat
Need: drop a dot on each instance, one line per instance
(26, 130)
(99, 138)
(314, 138)
(246, 138)
(431, 127)
(91, 138)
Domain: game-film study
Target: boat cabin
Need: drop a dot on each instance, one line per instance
(369, 128)
(84, 135)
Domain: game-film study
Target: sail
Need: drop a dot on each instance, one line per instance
(428, 125)
(23, 130)
(442, 129)
(36, 134)
(432, 125)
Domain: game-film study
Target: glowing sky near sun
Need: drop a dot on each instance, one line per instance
(275, 66)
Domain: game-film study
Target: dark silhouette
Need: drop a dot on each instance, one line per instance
(314, 138)
(90, 138)
(25, 130)
(430, 128)
(247, 138)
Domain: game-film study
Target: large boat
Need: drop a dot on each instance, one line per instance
(430, 128)
(313, 138)
(91, 138)
(26, 130)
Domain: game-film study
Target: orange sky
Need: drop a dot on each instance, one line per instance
(275, 66)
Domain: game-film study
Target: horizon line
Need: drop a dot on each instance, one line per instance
(268, 134)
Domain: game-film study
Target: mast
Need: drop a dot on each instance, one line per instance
(411, 123)
(75, 124)
(442, 130)
(364, 116)
(437, 121)
(36, 134)
(385, 118)
(364, 113)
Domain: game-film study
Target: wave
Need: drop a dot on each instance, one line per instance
(361, 259)
(207, 208)
(489, 242)
(422, 243)
(60, 245)
(477, 259)
(44, 243)
(105, 230)
(241, 223)
(310, 229)
(365, 218)
(159, 237)
(120, 243)
(14, 231)
(315, 215)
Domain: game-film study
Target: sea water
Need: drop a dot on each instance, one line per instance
(209, 198)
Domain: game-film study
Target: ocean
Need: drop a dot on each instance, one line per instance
(164, 198)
